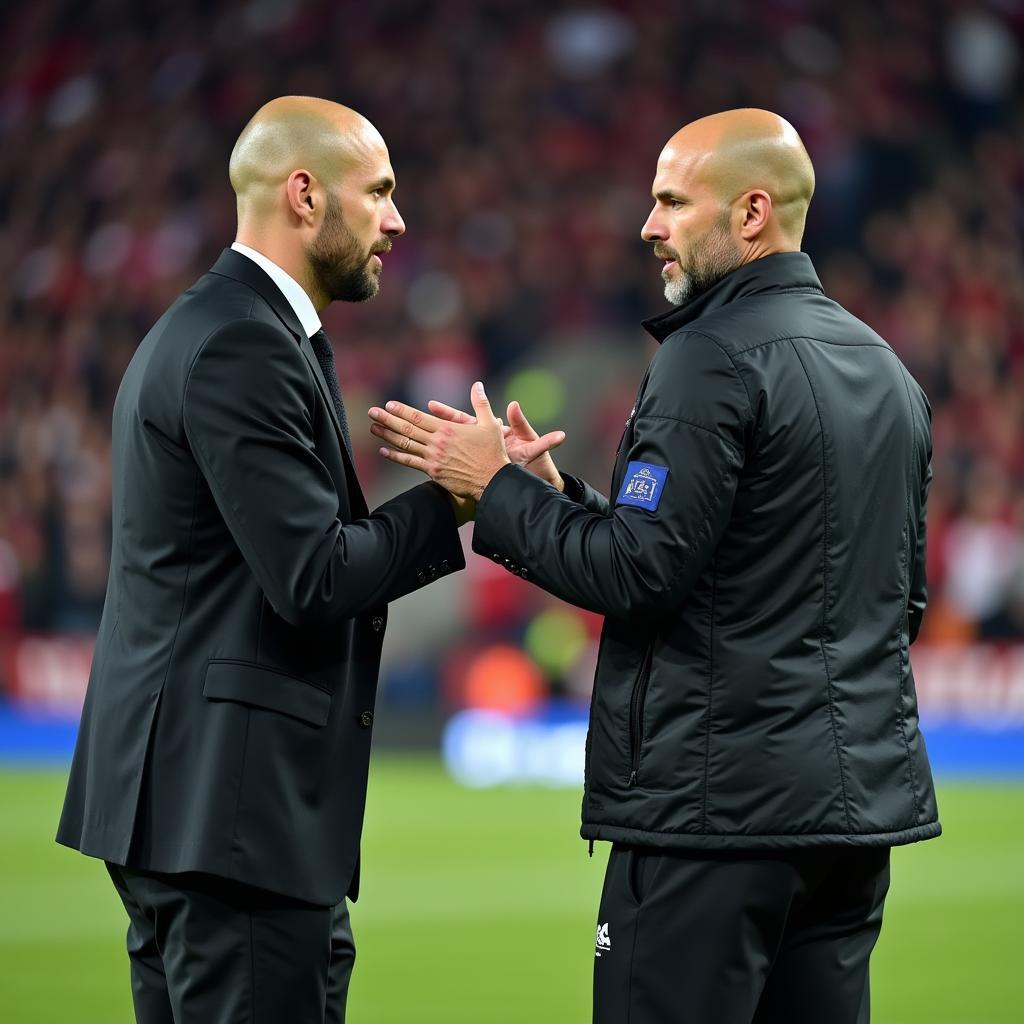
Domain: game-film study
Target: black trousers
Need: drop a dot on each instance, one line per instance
(206, 950)
(738, 938)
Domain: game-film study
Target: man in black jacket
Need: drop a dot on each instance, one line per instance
(222, 759)
(754, 748)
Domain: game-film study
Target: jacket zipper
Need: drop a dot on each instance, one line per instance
(636, 712)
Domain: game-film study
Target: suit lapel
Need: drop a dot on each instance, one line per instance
(240, 268)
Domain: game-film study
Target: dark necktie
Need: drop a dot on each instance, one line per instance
(325, 357)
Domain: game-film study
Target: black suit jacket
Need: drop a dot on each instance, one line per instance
(227, 722)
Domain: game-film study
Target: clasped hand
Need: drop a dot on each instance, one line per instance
(463, 452)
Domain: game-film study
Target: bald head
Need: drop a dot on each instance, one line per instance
(729, 188)
(738, 151)
(292, 132)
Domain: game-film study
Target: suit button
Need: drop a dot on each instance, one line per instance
(366, 719)
(522, 572)
(432, 572)
(377, 623)
(421, 577)
(445, 567)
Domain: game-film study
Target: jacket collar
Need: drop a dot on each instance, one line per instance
(779, 272)
(240, 268)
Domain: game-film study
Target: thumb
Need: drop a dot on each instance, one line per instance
(517, 419)
(481, 403)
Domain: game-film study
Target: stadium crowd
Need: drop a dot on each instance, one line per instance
(524, 135)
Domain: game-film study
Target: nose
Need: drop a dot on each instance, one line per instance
(653, 230)
(392, 224)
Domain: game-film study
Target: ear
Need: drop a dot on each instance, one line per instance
(756, 209)
(303, 196)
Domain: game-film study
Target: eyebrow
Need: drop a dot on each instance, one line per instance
(667, 196)
(387, 183)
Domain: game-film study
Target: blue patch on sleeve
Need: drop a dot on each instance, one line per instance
(643, 485)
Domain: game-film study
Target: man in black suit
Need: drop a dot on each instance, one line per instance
(222, 759)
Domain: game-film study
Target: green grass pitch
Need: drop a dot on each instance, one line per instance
(481, 906)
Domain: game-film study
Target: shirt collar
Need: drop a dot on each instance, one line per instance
(296, 295)
(782, 271)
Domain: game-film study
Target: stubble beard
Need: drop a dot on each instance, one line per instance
(709, 260)
(341, 268)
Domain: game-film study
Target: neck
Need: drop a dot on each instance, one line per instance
(758, 248)
(293, 263)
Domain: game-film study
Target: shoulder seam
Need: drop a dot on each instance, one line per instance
(735, 369)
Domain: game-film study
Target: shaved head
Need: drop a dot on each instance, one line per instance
(314, 183)
(730, 188)
(327, 139)
(736, 151)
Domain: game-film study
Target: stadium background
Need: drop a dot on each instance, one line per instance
(524, 136)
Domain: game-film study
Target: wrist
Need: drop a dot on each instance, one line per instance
(485, 480)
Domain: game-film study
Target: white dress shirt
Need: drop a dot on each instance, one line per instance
(290, 288)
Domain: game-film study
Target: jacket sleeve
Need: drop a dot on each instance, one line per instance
(637, 561)
(248, 416)
(583, 494)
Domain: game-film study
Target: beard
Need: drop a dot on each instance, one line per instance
(340, 266)
(709, 259)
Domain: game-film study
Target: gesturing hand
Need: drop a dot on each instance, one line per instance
(525, 448)
(460, 456)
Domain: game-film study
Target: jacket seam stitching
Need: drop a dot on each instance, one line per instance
(711, 683)
(696, 426)
(735, 369)
(705, 520)
(911, 775)
(761, 836)
(825, 592)
(787, 337)
(819, 341)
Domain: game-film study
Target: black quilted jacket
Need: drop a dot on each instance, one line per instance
(761, 570)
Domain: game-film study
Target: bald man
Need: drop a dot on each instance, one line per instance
(222, 758)
(754, 748)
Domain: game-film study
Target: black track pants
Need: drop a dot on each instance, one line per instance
(738, 938)
(205, 950)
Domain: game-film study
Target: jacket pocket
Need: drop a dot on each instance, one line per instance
(636, 713)
(266, 688)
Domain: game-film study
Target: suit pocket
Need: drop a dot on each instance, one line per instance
(266, 688)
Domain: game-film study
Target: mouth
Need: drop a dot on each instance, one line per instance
(668, 262)
(375, 261)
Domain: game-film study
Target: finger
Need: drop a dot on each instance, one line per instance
(481, 403)
(409, 422)
(447, 412)
(404, 459)
(402, 442)
(543, 444)
(521, 425)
